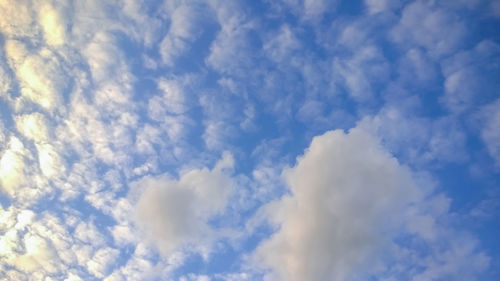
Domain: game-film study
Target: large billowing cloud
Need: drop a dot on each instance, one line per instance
(348, 202)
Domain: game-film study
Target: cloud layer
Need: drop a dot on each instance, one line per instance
(164, 140)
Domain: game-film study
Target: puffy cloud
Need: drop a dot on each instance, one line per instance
(33, 126)
(101, 262)
(12, 166)
(108, 66)
(52, 24)
(174, 213)
(349, 202)
(468, 73)
(16, 19)
(345, 192)
(39, 255)
(185, 27)
(434, 141)
(427, 25)
(34, 246)
(231, 52)
(41, 75)
(417, 69)
(490, 133)
(359, 73)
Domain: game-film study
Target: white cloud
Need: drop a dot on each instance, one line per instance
(345, 192)
(185, 27)
(490, 132)
(368, 66)
(281, 45)
(50, 162)
(231, 51)
(417, 69)
(12, 166)
(101, 262)
(41, 75)
(377, 6)
(16, 19)
(427, 25)
(33, 126)
(52, 24)
(106, 59)
(311, 10)
(34, 246)
(174, 213)
(38, 255)
(433, 141)
(216, 133)
(349, 200)
(469, 73)
(73, 277)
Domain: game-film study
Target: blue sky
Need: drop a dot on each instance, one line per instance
(266, 140)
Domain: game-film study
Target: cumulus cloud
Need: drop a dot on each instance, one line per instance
(349, 199)
(345, 191)
(175, 213)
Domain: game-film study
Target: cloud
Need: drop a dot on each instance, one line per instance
(40, 74)
(469, 73)
(377, 6)
(185, 27)
(35, 246)
(359, 73)
(33, 126)
(490, 133)
(38, 255)
(232, 50)
(52, 25)
(434, 141)
(12, 166)
(349, 200)
(101, 262)
(175, 213)
(345, 191)
(16, 19)
(309, 10)
(426, 25)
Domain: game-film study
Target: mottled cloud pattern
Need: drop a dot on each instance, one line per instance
(214, 140)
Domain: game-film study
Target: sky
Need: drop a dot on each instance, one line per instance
(260, 140)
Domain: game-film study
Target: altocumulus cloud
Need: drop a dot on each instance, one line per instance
(213, 140)
(175, 213)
